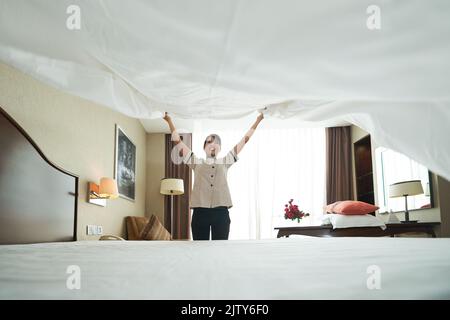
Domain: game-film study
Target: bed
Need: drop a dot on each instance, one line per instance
(39, 254)
(296, 268)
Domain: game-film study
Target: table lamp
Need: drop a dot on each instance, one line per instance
(405, 189)
(172, 187)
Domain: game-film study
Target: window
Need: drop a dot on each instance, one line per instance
(275, 166)
(393, 167)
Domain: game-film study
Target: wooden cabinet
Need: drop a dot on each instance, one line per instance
(364, 170)
(391, 230)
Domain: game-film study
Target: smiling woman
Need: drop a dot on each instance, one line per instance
(210, 197)
(278, 164)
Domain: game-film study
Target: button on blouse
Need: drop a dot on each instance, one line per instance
(210, 180)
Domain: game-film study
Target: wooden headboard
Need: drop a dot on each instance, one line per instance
(38, 200)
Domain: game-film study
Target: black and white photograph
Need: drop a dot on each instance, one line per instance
(125, 170)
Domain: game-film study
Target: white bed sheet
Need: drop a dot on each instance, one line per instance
(314, 61)
(297, 268)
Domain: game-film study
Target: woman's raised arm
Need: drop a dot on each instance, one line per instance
(176, 137)
(237, 148)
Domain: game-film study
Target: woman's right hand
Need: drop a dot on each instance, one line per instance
(260, 117)
(166, 117)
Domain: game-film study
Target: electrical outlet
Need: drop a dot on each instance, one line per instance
(90, 229)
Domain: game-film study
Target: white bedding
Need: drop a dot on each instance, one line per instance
(312, 61)
(352, 221)
(297, 268)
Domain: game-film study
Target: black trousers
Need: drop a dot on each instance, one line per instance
(215, 219)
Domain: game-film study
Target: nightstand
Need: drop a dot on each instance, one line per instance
(390, 231)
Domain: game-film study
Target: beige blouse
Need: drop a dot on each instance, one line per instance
(210, 180)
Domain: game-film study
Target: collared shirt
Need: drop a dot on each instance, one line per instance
(210, 180)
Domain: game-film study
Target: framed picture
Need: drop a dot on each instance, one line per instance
(125, 168)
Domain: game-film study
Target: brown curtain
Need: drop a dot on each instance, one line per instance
(339, 178)
(181, 211)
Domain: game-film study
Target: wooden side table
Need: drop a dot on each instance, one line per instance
(391, 230)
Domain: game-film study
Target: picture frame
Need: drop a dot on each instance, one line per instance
(125, 164)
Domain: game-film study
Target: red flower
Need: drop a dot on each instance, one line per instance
(292, 212)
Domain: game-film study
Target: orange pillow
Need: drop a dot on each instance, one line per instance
(350, 207)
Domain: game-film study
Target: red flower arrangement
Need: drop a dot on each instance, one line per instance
(292, 212)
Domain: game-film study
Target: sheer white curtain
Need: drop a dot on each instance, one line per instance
(394, 167)
(276, 165)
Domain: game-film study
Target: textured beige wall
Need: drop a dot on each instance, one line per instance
(155, 172)
(78, 136)
(430, 215)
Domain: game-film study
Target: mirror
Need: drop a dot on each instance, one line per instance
(393, 167)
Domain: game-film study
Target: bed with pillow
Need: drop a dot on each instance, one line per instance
(297, 268)
(352, 214)
(356, 219)
(41, 259)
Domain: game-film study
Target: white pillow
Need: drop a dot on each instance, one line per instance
(352, 221)
(326, 219)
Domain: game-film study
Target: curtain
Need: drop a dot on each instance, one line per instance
(339, 175)
(274, 166)
(181, 211)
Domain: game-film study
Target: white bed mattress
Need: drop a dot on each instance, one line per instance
(296, 268)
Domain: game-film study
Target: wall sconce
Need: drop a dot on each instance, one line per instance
(98, 194)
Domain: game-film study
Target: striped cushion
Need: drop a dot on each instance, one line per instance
(134, 226)
(154, 230)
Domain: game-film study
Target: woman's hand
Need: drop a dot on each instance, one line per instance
(171, 125)
(260, 117)
(167, 117)
(183, 149)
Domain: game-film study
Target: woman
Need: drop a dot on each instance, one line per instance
(210, 196)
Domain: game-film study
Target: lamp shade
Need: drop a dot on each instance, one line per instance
(172, 186)
(405, 188)
(108, 188)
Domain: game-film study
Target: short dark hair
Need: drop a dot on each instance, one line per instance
(214, 137)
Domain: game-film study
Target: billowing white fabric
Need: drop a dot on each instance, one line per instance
(314, 60)
(299, 268)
